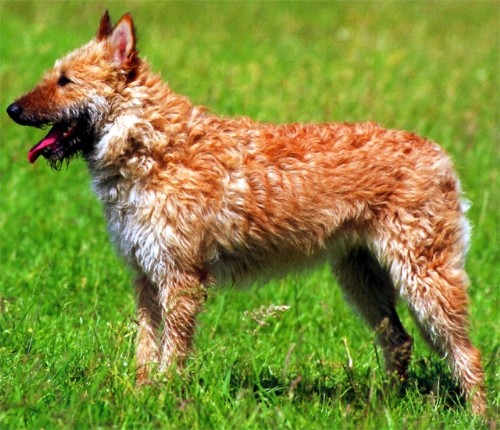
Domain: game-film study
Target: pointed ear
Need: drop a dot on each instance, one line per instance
(105, 27)
(122, 41)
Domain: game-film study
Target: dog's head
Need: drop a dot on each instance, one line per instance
(79, 92)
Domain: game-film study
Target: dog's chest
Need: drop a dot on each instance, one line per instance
(156, 229)
(130, 214)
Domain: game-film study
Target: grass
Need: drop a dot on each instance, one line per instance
(67, 329)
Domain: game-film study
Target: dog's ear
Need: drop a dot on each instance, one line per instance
(122, 41)
(105, 27)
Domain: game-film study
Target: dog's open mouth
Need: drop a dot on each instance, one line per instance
(64, 141)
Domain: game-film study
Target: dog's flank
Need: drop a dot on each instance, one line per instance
(193, 200)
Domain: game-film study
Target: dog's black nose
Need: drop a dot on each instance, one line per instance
(15, 111)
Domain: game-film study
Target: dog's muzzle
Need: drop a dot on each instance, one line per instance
(16, 112)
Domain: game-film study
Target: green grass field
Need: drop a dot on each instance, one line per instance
(67, 330)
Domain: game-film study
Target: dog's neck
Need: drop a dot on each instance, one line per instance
(149, 121)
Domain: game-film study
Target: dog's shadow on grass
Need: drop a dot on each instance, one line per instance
(430, 379)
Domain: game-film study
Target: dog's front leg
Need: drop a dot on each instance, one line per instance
(182, 296)
(149, 321)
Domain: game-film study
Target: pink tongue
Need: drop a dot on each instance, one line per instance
(52, 136)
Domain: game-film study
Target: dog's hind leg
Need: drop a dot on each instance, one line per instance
(368, 287)
(182, 296)
(149, 321)
(438, 301)
(427, 264)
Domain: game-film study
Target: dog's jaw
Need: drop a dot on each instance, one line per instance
(51, 145)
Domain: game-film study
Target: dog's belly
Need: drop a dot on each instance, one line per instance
(245, 268)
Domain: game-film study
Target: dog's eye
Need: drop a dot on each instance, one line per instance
(63, 80)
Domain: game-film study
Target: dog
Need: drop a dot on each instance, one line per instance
(193, 200)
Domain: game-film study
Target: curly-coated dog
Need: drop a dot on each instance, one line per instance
(193, 200)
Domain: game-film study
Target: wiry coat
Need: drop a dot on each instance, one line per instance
(193, 199)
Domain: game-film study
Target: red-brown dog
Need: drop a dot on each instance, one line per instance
(193, 199)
